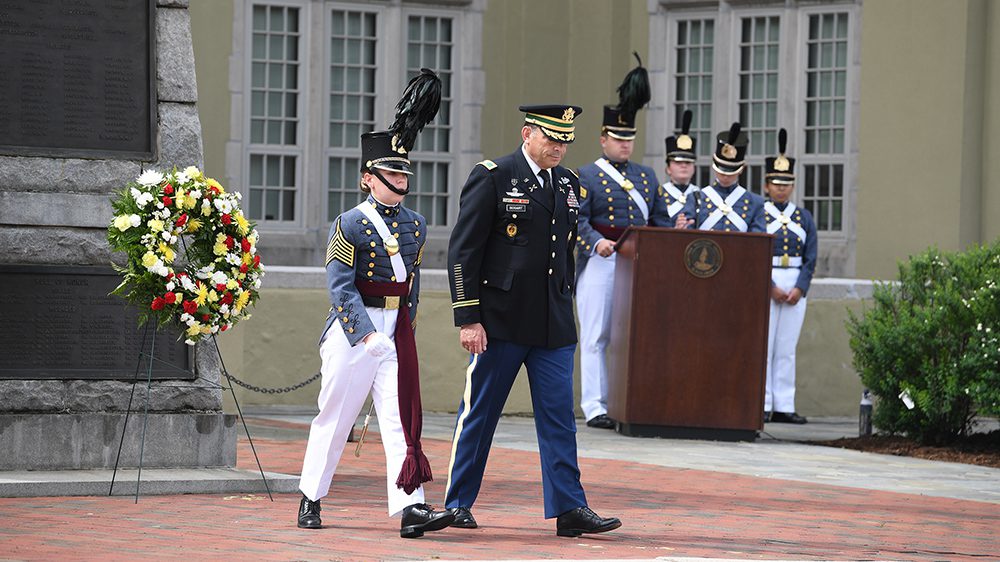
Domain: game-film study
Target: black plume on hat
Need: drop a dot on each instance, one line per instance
(782, 141)
(686, 122)
(634, 91)
(418, 106)
(734, 133)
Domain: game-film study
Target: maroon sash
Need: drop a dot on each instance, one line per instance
(612, 233)
(416, 468)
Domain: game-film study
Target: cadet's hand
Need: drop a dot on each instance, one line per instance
(605, 248)
(778, 295)
(473, 337)
(378, 345)
(793, 296)
(682, 221)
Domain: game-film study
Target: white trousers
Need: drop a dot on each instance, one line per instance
(593, 306)
(349, 374)
(782, 337)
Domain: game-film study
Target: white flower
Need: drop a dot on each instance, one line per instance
(185, 317)
(149, 178)
(142, 198)
(233, 259)
(196, 193)
(215, 329)
(183, 177)
(165, 235)
(135, 220)
(188, 284)
(224, 309)
(219, 278)
(256, 283)
(163, 271)
(159, 205)
(155, 266)
(171, 285)
(224, 205)
(189, 341)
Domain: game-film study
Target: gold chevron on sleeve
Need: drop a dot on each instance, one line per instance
(340, 249)
(420, 255)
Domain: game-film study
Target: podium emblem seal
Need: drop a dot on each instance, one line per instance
(703, 258)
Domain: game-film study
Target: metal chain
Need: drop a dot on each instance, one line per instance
(263, 390)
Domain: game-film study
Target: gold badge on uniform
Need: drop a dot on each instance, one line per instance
(391, 245)
(627, 184)
(684, 142)
(511, 230)
(781, 163)
(569, 114)
(728, 151)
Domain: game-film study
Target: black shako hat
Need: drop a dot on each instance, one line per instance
(681, 146)
(730, 151)
(389, 150)
(780, 169)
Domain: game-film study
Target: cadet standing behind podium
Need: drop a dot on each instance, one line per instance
(793, 265)
(725, 205)
(615, 193)
(510, 265)
(673, 195)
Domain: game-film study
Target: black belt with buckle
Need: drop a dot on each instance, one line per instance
(390, 303)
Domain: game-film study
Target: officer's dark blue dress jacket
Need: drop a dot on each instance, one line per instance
(510, 261)
(604, 202)
(355, 254)
(750, 207)
(787, 242)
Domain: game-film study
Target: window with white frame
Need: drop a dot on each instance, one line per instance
(774, 68)
(274, 152)
(693, 86)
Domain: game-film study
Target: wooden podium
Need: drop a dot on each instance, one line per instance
(689, 333)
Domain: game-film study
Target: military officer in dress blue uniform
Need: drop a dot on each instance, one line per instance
(510, 266)
(725, 205)
(373, 276)
(793, 264)
(615, 193)
(681, 156)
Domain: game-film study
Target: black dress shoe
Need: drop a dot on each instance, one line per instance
(463, 518)
(783, 417)
(601, 422)
(582, 520)
(309, 514)
(419, 518)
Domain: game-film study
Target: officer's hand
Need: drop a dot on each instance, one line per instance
(605, 248)
(473, 337)
(793, 296)
(682, 221)
(378, 345)
(778, 295)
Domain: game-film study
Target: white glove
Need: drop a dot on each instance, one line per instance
(379, 345)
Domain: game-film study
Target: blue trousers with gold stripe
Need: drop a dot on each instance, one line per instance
(487, 384)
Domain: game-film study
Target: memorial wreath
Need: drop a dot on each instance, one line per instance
(191, 252)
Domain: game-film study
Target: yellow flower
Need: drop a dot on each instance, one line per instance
(193, 225)
(242, 224)
(123, 222)
(247, 258)
(212, 183)
(148, 259)
(155, 225)
(220, 248)
(180, 296)
(232, 284)
(167, 252)
(242, 301)
(193, 172)
(206, 208)
(206, 330)
(194, 329)
(213, 296)
(189, 201)
(202, 295)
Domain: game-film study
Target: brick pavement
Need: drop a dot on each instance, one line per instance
(666, 512)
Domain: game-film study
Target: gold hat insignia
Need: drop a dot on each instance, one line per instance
(569, 114)
(684, 142)
(781, 163)
(728, 151)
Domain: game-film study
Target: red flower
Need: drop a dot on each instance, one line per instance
(256, 260)
(226, 298)
(226, 219)
(243, 268)
(213, 190)
(181, 274)
(245, 245)
(168, 189)
(167, 201)
(230, 242)
(220, 287)
(190, 307)
(205, 317)
(158, 304)
(171, 275)
(182, 220)
(171, 298)
(224, 328)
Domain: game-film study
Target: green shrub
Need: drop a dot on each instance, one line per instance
(933, 335)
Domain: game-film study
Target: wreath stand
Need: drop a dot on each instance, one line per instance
(145, 415)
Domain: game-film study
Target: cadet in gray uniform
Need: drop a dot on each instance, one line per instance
(673, 195)
(373, 276)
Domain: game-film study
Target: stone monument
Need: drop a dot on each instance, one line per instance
(94, 92)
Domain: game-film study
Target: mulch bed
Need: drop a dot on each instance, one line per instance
(979, 448)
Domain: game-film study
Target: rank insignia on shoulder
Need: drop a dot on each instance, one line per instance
(488, 164)
(583, 192)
